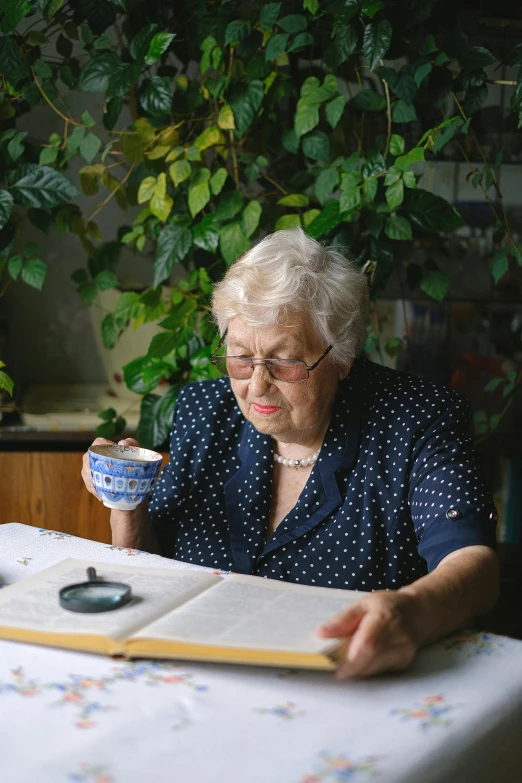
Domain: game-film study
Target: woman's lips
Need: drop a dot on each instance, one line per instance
(265, 409)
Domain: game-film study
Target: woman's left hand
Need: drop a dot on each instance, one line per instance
(383, 634)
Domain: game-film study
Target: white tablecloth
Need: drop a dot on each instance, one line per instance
(455, 717)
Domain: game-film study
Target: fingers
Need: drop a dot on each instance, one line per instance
(86, 468)
(343, 624)
(382, 637)
(128, 442)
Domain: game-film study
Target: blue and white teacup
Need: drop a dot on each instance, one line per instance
(123, 475)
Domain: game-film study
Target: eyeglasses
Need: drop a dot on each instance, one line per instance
(241, 368)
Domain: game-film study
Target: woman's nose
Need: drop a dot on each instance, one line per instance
(261, 379)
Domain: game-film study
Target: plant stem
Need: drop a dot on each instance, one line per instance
(388, 115)
(234, 160)
(275, 184)
(111, 194)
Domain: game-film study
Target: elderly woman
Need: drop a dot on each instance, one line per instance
(308, 464)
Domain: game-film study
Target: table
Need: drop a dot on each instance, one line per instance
(455, 716)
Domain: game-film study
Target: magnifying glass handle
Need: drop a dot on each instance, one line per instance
(91, 574)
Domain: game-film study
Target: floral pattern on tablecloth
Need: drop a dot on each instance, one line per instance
(56, 534)
(82, 692)
(430, 711)
(476, 643)
(24, 560)
(287, 710)
(338, 768)
(129, 552)
(90, 773)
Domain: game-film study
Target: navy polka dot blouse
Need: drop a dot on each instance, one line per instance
(395, 489)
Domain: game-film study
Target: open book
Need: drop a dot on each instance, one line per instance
(179, 614)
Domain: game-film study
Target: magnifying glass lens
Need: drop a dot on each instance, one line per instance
(97, 594)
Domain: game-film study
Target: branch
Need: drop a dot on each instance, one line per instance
(388, 115)
(51, 104)
(234, 160)
(275, 184)
(111, 194)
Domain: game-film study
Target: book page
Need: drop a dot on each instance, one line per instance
(254, 613)
(33, 603)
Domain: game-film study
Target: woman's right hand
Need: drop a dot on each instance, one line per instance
(86, 468)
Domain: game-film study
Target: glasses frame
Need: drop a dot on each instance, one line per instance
(255, 362)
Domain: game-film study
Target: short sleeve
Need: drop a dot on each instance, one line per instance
(450, 505)
(171, 490)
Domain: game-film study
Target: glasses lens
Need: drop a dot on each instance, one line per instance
(291, 370)
(234, 366)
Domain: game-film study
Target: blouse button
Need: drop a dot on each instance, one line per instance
(453, 513)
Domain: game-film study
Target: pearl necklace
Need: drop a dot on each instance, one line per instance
(297, 463)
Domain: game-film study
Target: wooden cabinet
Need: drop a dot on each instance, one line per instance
(45, 489)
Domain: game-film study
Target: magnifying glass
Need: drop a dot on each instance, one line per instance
(95, 595)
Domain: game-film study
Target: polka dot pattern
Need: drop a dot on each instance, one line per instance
(395, 489)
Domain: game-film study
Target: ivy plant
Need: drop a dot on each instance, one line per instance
(246, 117)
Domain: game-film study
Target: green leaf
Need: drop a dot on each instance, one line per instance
(369, 100)
(87, 119)
(156, 97)
(180, 171)
(199, 191)
(397, 228)
(396, 144)
(14, 266)
(226, 118)
(306, 117)
(311, 5)
(431, 213)
(88, 292)
(344, 44)
(6, 383)
(370, 188)
(269, 15)
(477, 57)
(11, 63)
(107, 414)
(403, 112)
(34, 272)
(395, 194)
(276, 46)
(146, 189)
(499, 265)
(290, 141)
(329, 218)
(316, 145)
(327, 181)
(109, 334)
(15, 147)
(210, 136)
(14, 12)
(229, 205)
(232, 242)
(217, 181)
(376, 42)
(174, 242)
(293, 23)
(492, 384)
(350, 199)
(287, 222)
(106, 280)
(89, 147)
(159, 44)
(334, 110)
(206, 234)
(140, 43)
(421, 73)
(41, 186)
(403, 162)
(123, 77)
(156, 418)
(435, 284)
(300, 42)
(294, 200)
(245, 104)
(95, 74)
(160, 203)
(48, 155)
(128, 306)
(6, 207)
(237, 31)
(143, 375)
(250, 218)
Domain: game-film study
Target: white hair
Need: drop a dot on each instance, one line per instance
(287, 272)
